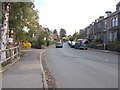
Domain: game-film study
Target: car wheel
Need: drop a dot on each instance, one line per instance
(85, 48)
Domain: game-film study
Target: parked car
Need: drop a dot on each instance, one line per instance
(37, 46)
(82, 44)
(72, 45)
(76, 45)
(26, 44)
(69, 43)
(59, 45)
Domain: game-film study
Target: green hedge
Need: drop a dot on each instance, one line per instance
(112, 46)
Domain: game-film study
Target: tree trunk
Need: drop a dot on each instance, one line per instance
(4, 32)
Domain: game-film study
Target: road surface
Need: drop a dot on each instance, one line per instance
(74, 68)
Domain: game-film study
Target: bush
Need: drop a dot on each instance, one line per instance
(41, 41)
(114, 43)
(95, 43)
(52, 42)
(112, 46)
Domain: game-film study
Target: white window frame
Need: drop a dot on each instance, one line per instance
(113, 22)
(116, 21)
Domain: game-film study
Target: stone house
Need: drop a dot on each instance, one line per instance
(105, 28)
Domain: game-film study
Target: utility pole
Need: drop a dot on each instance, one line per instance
(4, 30)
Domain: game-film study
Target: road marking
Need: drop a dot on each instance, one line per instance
(106, 60)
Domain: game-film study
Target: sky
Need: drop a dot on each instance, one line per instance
(72, 15)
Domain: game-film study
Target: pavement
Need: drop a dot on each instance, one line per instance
(105, 51)
(26, 73)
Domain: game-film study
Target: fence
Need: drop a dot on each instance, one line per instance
(12, 56)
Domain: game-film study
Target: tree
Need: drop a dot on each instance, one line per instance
(76, 35)
(23, 16)
(58, 38)
(71, 38)
(4, 31)
(69, 35)
(23, 36)
(42, 36)
(62, 32)
(16, 16)
(55, 32)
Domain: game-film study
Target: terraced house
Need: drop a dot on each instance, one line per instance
(105, 28)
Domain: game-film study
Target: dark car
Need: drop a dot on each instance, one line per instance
(59, 45)
(81, 44)
(76, 46)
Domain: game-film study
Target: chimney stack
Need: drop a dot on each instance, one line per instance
(107, 13)
(118, 6)
(101, 18)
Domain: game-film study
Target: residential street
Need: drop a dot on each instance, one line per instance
(54, 44)
(74, 68)
(26, 73)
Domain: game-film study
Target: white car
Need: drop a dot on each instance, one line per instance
(69, 43)
(72, 44)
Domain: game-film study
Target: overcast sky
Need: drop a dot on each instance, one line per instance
(72, 14)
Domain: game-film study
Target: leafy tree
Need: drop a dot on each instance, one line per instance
(71, 39)
(76, 35)
(23, 36)
(20, 15)
(42, 35)
(58, 38)
(55, 32)
(41, 41)
(69, 35)
(23, 16)
(62, 32)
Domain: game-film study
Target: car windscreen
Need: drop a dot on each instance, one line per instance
(80, 41)
(85, 42)
(73, 42)
(58, 43)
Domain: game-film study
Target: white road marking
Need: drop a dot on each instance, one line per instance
(106, 60)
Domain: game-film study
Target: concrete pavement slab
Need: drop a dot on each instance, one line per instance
(26, 73)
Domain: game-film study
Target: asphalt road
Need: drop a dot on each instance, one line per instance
(26, 73)
(74, 68)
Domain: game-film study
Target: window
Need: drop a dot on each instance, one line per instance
(113, 22)
(105, 27)
(86, 42)
(99, 25)
(105, 37)
(116, 21)
(115, 36)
